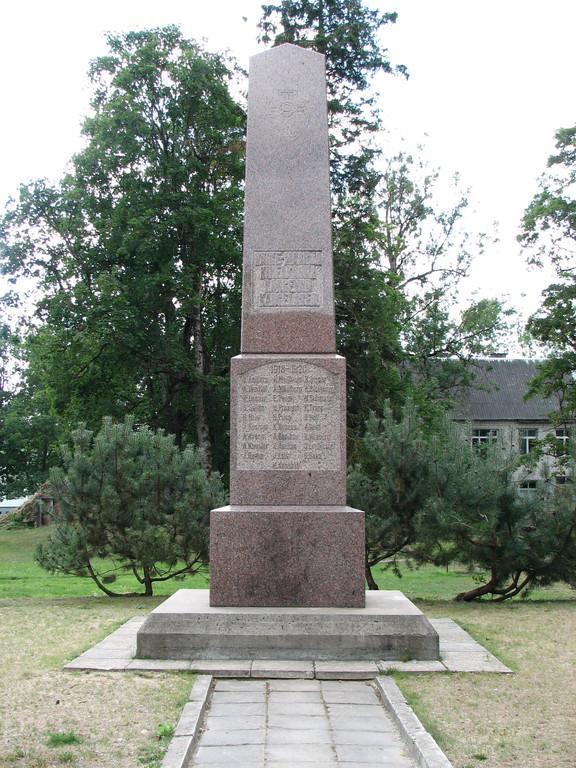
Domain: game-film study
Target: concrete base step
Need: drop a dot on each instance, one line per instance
(186, 626)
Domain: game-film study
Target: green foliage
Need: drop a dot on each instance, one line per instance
(400, 262)
(151, 755)
(485, 521)
(137, 250)
(130, 495)
(347, 33)
(165, 731)
(549, 231)
(398, 476)
(66, 757)
(430, 496)
(27, 427)
(426, 252)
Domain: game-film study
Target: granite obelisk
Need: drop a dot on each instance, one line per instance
(287, 555)
(287, 537)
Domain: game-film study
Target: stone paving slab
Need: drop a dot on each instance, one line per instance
(295, 736)
(188, 727)
(352, 727)
(345, 670)
(458, 650)
(474, 662)
(303, 697)
(250, 695)
(222, 668)
(411, 666)
(239, 723)
(282, 669)
(158, 665)
(216, 738)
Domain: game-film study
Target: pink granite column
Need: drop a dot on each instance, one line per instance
(287, 538)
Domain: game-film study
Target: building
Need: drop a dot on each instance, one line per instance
(497, 410)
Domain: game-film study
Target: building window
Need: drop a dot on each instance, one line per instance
(562, 480)
(481, 438)
(528, 438)
(562, 436)
(527, 487)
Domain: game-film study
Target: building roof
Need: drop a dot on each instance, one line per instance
(498, 392)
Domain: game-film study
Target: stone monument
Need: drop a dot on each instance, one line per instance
(287, 555)
(287, 537)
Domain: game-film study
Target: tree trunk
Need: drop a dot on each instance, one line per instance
(104, 589)
(147, 582)
(369, 577)
(202, 428)
(485, 589)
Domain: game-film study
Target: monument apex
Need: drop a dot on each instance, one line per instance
(288, 299)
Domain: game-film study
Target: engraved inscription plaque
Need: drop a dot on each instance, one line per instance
(288, 418)
(287, 279)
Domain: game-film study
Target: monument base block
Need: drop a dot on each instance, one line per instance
(186, 626)
(287, 556)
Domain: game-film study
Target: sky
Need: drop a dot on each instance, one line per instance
(490, 82)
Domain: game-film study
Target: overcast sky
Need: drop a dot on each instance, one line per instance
(490, 83)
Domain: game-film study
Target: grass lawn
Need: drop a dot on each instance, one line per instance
(20, 576)
(103, 720)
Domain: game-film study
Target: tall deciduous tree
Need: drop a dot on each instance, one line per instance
(425, 251)
(28, 428)
(137, 250)
(549, 231)
(399, 257)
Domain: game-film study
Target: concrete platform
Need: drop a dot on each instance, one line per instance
(185, 626)
(459, 653)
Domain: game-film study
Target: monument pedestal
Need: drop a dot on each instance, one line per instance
(185, 626)
(287, 556)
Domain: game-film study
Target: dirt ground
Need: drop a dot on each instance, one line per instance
(525, 720)
(115, 716)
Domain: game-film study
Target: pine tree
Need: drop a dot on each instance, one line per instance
(131, 496)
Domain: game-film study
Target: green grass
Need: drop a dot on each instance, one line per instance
(20, 576)
(63, 739)
(151, 755)
(66, 757)
(430, 583)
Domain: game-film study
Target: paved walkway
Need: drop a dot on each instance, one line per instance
(290, 723)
